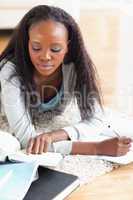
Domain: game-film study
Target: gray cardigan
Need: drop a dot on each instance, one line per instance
(19, 118)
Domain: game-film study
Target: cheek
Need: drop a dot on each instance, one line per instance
(33, 56)
(60, 57)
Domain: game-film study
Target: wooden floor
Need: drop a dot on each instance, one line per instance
(116, 185)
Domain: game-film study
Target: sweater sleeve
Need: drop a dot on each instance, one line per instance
(14, 107)
(18, 116)
(93, 129)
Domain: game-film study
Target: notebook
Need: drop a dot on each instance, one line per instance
(122, 160)
(52, 185)
(10, 149)
(16, 179)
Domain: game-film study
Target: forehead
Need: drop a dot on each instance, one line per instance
(48, 30)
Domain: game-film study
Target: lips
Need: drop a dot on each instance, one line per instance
(45, 65)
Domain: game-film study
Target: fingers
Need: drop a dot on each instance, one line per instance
(124, 145)
(30, 146)
(45, 149)
(36, 146)
(39, 144)
(116, 146)
(125, 140)
(44, 144)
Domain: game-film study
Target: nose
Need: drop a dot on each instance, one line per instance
(45, 56)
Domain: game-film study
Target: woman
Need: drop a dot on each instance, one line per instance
(44, 69)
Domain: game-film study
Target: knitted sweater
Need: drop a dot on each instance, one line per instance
(68, 119)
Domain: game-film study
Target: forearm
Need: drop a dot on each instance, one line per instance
(111, 147)
(84, 148)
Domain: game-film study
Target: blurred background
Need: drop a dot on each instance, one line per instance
(107, 28)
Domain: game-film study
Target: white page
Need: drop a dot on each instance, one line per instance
(10, 146)
(49, 159)
(8, 142)
(123, 160)
(19, 181)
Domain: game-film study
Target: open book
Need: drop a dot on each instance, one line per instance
(52, 185)
(15, 180)
(28, 181)
(10, 148)
(23, 174)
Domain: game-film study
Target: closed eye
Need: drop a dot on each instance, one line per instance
(55, 50)
(36, 49)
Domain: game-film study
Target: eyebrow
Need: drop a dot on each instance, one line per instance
(55, 43)
(35, 41)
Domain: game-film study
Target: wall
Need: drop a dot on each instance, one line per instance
(11, 11)
(101, 31)
(107, 32)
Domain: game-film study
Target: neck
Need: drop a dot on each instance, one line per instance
(52, 80)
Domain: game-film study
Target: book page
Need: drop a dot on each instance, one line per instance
(17, 180)
(8, 144)
(4, 177)
(49, 159)
(123, 160)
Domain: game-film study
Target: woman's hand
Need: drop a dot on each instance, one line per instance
(40, 143)
(114, 146)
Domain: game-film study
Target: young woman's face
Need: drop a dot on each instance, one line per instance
(47, 46)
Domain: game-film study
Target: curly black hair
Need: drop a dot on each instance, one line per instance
(17, 52)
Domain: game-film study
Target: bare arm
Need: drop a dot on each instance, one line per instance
(85, 148)
(111, 147)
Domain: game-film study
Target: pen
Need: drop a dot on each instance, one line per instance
(116, 133)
